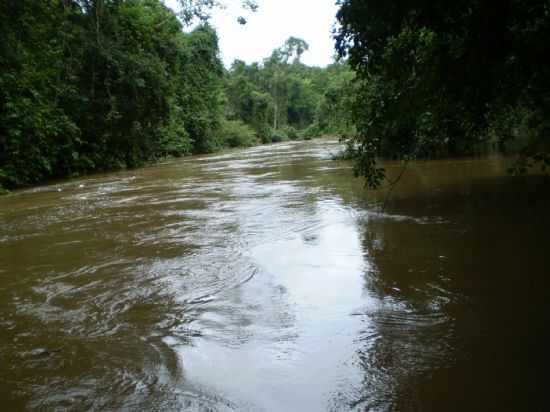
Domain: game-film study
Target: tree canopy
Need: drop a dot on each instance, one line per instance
(101, 84)
(440, 79)
(192, 10)
(90, 85)
(281, 97)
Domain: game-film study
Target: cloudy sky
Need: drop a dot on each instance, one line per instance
(271, 25)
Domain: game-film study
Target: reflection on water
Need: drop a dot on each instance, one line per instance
(269, 280)
(468, 292)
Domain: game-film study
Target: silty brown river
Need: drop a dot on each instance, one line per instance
(268, 279)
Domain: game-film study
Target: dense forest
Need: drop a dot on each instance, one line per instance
(103, 84)
(282, 98)
(89, 85)
(445, 79)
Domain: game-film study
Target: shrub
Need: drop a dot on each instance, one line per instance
(235, 133)
(312, 131)
(278, 135)
(291, 132)
(265, 134)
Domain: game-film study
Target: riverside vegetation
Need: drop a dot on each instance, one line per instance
(439, 80)
(90, 85)
(95, 85)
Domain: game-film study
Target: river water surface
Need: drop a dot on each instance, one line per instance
(267, 279)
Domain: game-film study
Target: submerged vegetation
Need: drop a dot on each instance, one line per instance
(94, 85)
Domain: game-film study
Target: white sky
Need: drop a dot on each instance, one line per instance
(273, 23)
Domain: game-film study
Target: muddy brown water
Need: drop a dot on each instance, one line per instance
(267, 279)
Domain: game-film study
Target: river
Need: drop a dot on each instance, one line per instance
(268, 279)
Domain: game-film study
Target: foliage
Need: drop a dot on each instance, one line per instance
(439, 79)
(280, 98)
(101, 84)
(235, 133)
(36, 137)
(333, 112)
(278, 135)
(192, 10)
(200, 90)
(90, 85)
(291, 133)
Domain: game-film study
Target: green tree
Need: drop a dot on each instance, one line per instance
(247, 100)
(200, 90)
(294, 46)
(37, 138)
(99, 84)
(283, 98)
(91, 85)
(436, 78)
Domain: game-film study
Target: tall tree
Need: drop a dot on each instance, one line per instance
(283, 96)
(99, 84)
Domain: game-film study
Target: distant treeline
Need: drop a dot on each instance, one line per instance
(94, 85)
(282, 98)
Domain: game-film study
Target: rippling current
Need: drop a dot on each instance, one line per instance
(268, 279)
